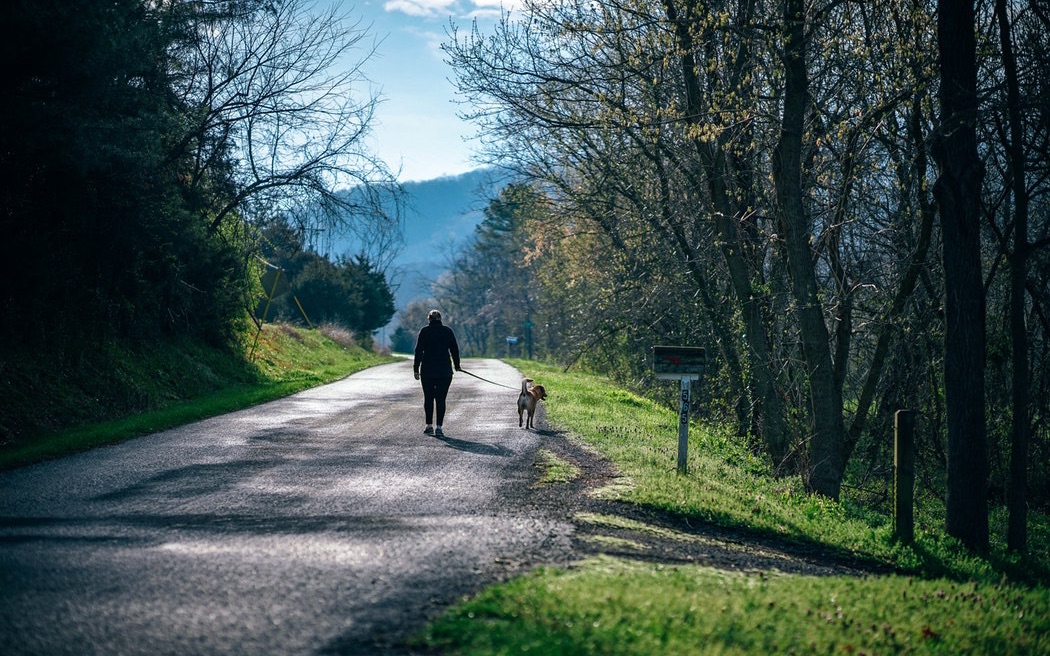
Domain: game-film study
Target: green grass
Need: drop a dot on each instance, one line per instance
(944, 601)
(147, 390)
(615, 606)
(554, 469)
(728, 486)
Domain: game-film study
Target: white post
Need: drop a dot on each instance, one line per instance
(683, 426)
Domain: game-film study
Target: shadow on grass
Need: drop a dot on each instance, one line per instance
(925, 560)
(1025, 571)
(1019, 570)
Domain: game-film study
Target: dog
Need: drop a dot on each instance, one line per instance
(527, 400)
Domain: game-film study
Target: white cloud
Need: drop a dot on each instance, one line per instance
(495, 7)
(422, 8)
(445, 8)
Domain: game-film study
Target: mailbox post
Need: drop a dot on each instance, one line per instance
(685, 364)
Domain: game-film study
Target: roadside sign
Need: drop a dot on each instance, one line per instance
(676, 362)
(684, 364)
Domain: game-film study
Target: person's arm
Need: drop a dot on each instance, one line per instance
(453, 348)
(418, 353)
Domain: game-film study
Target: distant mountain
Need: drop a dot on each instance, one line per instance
(443, 211)
(440, 215)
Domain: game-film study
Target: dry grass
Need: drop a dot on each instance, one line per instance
(338, 334)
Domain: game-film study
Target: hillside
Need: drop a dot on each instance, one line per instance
(122, 388)
(442, 213)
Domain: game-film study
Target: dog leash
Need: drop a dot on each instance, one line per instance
(491, 382)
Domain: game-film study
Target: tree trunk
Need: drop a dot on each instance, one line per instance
(827, 444)
(957, 191)
(1017, 493)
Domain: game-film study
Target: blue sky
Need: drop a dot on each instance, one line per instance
(417, 128)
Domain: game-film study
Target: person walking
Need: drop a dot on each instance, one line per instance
(435, 345)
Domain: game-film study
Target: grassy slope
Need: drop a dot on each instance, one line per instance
(943, 602)
(154, 386)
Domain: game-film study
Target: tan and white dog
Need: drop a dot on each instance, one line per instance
(527, 400)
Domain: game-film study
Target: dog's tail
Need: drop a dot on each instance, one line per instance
(525, 384)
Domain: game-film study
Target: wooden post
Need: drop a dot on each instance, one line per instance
(904, 476)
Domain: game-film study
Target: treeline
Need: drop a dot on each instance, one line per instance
(142, 145)
(301, 286)
(847, 205)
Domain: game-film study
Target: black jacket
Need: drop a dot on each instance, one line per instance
(434, 345)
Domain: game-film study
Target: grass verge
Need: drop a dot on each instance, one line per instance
(615, 606)
(150, 388)
(943, 602)
(554, 469)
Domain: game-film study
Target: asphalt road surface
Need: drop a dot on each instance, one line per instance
(323, 523)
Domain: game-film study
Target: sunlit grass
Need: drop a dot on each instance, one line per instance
(727, 485)
(614, 606)
(554, 469)
(285, 360)
(943, 602)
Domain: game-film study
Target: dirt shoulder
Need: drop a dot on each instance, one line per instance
(603, 525)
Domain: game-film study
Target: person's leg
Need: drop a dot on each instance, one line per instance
(428, 399)
(440, 392)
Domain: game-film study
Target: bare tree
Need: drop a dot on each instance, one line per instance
(827, 450)
(779, 156)
(731, 211)
(278, 107)
(1017, 168)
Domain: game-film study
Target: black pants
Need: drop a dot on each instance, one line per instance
(434, 392)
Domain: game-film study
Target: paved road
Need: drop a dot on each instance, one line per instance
(323, 523)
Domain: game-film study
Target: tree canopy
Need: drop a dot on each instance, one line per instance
(313, 289)
(775, 181)
(144, 143)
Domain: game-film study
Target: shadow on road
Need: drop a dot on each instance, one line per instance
(476, 447)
